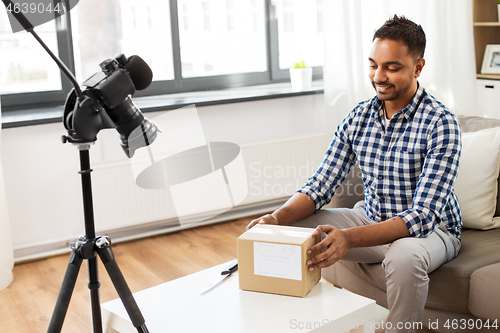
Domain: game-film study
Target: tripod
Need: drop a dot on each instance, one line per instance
(88, 247)
(84, 116)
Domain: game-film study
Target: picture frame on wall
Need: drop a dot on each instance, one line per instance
(491, 59)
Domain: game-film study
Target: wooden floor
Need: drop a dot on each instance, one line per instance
(26, 306)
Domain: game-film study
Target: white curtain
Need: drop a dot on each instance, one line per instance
(449, 72)
(6, 253)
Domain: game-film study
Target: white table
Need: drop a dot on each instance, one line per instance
(177, 306)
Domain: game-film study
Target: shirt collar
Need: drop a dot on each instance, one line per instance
(408, 111)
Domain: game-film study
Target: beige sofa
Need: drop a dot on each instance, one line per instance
(461, 291)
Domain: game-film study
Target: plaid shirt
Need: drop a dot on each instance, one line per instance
(408, 168)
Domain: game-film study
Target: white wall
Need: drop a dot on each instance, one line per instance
(41, 173)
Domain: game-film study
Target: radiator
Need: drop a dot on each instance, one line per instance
(277, 169)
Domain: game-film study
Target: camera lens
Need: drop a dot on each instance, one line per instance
(135, 130)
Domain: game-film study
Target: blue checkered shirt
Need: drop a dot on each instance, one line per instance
(408, 169)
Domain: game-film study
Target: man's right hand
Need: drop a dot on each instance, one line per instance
(266, 219)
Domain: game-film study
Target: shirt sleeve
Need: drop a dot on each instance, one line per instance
(335, 166)
(437, 178)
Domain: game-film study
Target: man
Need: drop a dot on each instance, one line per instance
(407, 145)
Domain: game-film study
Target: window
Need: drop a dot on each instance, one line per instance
(224, 46)
(190, 45)
(104, 29)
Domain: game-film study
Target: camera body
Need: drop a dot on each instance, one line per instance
(114, 84)
(106, 103)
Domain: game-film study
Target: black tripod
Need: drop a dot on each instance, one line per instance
(85, 115)
(88, 247)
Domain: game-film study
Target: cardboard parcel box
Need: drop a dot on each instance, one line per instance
(273, 258)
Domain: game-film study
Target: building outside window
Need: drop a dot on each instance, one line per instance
(25, 66)
(300, 32)
(226, 47)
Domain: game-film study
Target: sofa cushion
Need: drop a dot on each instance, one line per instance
(474, 124)
(476, 184)
(484, 301)
(450, 284)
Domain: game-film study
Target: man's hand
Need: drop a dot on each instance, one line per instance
(296, 208)
(338, 241)
(336, 244)
(266, 219)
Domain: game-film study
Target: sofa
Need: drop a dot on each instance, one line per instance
(464, 294)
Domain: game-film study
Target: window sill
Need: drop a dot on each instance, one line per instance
(168, 102)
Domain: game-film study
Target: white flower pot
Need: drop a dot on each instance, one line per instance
(301, 78)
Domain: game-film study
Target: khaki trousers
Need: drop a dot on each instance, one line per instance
(407, 263)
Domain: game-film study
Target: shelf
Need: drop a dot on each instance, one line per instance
(489, 76)
(487, 24)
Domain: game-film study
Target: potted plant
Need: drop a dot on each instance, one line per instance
(301, 76)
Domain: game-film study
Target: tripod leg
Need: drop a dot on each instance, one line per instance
(95, 299)
(66, 291)
(106, 254)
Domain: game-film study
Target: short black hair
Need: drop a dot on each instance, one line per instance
(401, 29)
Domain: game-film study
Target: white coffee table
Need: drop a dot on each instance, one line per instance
(177, 306)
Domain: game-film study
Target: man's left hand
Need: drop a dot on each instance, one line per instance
(336, 244)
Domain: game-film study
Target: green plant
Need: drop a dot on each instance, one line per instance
(498, 2)
(302, 63)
